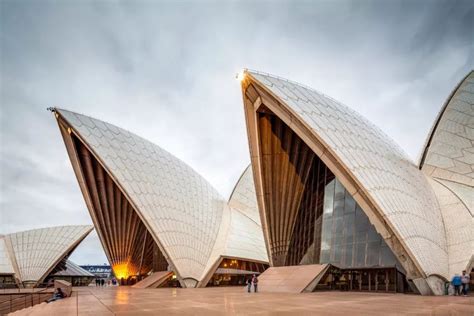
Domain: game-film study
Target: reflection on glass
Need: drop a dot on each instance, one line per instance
(348, 239)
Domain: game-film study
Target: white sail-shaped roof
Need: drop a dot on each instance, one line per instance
(181, 209)
(6, 263)
(73, 269)
(38, 251)
(245, 236)
(243, 196)
(448, 160)
(372, 165)
(240, 232)
(449, 153)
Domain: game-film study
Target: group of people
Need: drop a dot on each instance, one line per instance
(253, 280)
(99, 282)
(461, 283)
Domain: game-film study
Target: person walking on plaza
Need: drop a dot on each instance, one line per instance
(249, 285)
(102, 282)
(255, 283)
(465, 280)
(456, 282)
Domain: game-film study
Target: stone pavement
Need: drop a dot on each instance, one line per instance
(235, 300)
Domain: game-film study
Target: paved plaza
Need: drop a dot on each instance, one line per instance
(234, 300)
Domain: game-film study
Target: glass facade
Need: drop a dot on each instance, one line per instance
(348, 239)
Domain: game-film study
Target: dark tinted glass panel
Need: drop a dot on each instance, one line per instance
(373, 251)
(348, 238)
(360, 254)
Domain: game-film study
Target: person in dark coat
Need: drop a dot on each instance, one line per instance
(249, 284)
(255, 283)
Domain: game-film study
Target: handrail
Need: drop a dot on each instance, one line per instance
(23, 301)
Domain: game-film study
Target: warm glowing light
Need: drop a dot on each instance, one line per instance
(240, 75)
(173, 277)
(225, 265)
(121, 270)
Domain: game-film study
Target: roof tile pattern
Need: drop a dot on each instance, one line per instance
(458, 222)
(73, 269)
(6, 266)
(245, 235)
(245, 238)
(381, 168)
(244, 198)
(450, 154)
(184, 212)
(38, 250)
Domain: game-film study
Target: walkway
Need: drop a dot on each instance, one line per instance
(232, 300)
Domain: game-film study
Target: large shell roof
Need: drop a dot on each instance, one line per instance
(376, 163)
(181, 208)
(37, 251)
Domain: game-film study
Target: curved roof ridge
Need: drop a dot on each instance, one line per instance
(49, 227)
(366, 121)
(429, 138)
(53, 109)
(237, 183)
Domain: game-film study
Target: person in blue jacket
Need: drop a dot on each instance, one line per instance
(456, 282)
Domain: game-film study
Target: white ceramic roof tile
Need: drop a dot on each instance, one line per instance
(449, 154)
(73, 269)
(37, 251)
(380, 166)
(456, 205)
(6, 265)
(183, 209)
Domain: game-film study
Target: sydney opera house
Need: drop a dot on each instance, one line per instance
(326, 190)
(30, 258)
(334, 189)
(155, 216)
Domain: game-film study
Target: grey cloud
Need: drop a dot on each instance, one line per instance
(164, 70)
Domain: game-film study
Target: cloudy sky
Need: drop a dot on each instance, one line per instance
(165, 70)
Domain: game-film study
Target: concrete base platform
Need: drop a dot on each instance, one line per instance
(236, 301)
(292, 279)
(154, 280)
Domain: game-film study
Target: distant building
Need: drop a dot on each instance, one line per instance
(27, 258)
(73, 274)
(153, 213)
(333, 188)
(100, 271)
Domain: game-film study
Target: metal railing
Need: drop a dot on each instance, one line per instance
(12, 302)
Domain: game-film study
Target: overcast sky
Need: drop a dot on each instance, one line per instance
(165, 71)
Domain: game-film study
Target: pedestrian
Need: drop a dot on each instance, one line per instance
(97, 282)
(465, 280)
(456, 282)
(249, 284)
(58, 294)
(102, 282)
(255, 283)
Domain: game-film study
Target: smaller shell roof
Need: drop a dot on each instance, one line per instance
(379, 166)
(38, 251)
(449, 153)
(6, 266)
(73, 269)
(243, 196)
